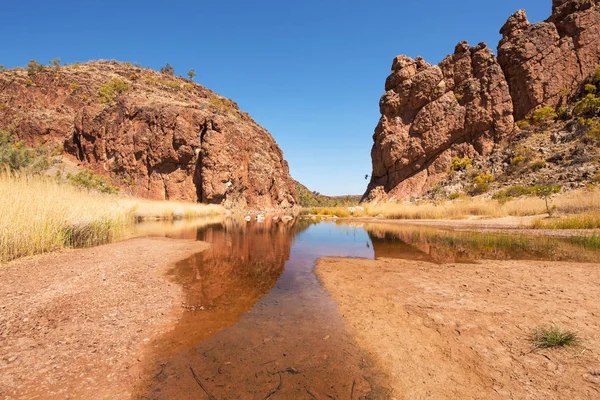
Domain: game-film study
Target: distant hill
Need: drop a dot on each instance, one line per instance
(308, 198)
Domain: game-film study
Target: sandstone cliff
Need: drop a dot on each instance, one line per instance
(466, 106)
(155, 135)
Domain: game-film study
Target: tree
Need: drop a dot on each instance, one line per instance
(545, 192)
(191, 73)
(168, 69)
(33, 67)
(55, 62)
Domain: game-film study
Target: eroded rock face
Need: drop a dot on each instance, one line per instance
(163, 138)
(467, 104)
(545, 63)
(431, 113)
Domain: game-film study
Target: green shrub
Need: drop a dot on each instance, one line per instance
(589, 88)
(563, 113)
(521, 156)
(594, 133)
(543, 115)
(460, 164)
(459, 96)
(512, 192)
(2, 68)
(553, 337)
(87, 179)
(191, 74)
(16, 156)
(481, 183)
(55, 62)
(109, 91)
(33, 67)
(596, 78)
(588, 106)
(523, 124)
(168, 69)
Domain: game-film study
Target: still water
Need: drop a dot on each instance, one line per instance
(258, 324)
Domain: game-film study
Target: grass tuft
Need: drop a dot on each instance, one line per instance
(553, 336)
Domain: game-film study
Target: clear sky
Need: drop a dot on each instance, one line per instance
(311, 72)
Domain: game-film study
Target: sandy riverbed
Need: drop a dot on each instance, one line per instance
(74, 324)
(462, 331)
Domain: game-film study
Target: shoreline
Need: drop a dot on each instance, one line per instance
(84, 317)
(463, 330)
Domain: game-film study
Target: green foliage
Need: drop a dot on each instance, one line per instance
(87, 179)
(589, 88)
(459, 96)
(481, 184)
(523, 124)
(512, 192)
(307, 198)
(544, 192)
(55, 62)
(16, 156)
(563, 113)
(220, 104)
(521, 156)
(168, 69)
(459, 164)
(191, 74)
(549, 337)
(33, 67)
(588, 106)
(543, 115)
(594, 133)
(111, 90)
(596, 78)
(73, 87)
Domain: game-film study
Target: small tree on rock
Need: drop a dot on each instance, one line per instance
(191, 74)
(168, 69)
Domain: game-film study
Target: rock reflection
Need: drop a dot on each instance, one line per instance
(243, 263)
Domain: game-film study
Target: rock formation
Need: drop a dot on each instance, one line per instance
(430, 114)
(155, 135)
(545, 63)
(466, 106)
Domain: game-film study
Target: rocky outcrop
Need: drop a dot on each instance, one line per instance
(467, 105)
(545, 63)
(155, 135)
(430, 114)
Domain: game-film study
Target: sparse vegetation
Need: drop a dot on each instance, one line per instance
(220, 104)
(545, 192)
(544, 115)
(16, 156)
(111, 90)
(191, 74)
(88, 180)
(588, 106)
(168, 69)
(459, 96)
(523, 124)
(55, 62)
(553, 336)
(461, 164)
(33, 67)
(481, 184)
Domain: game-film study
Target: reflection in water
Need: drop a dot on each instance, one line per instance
(439, 246)
(226, 280)
(257, 322)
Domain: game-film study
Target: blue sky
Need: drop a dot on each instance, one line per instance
(311, 72)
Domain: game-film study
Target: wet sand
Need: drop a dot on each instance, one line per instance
(75, 324)
(445, 331)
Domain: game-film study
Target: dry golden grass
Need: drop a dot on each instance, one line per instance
(39, 214)
(575, 202)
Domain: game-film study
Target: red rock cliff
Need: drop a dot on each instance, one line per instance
(467, 105)
(159, 136)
